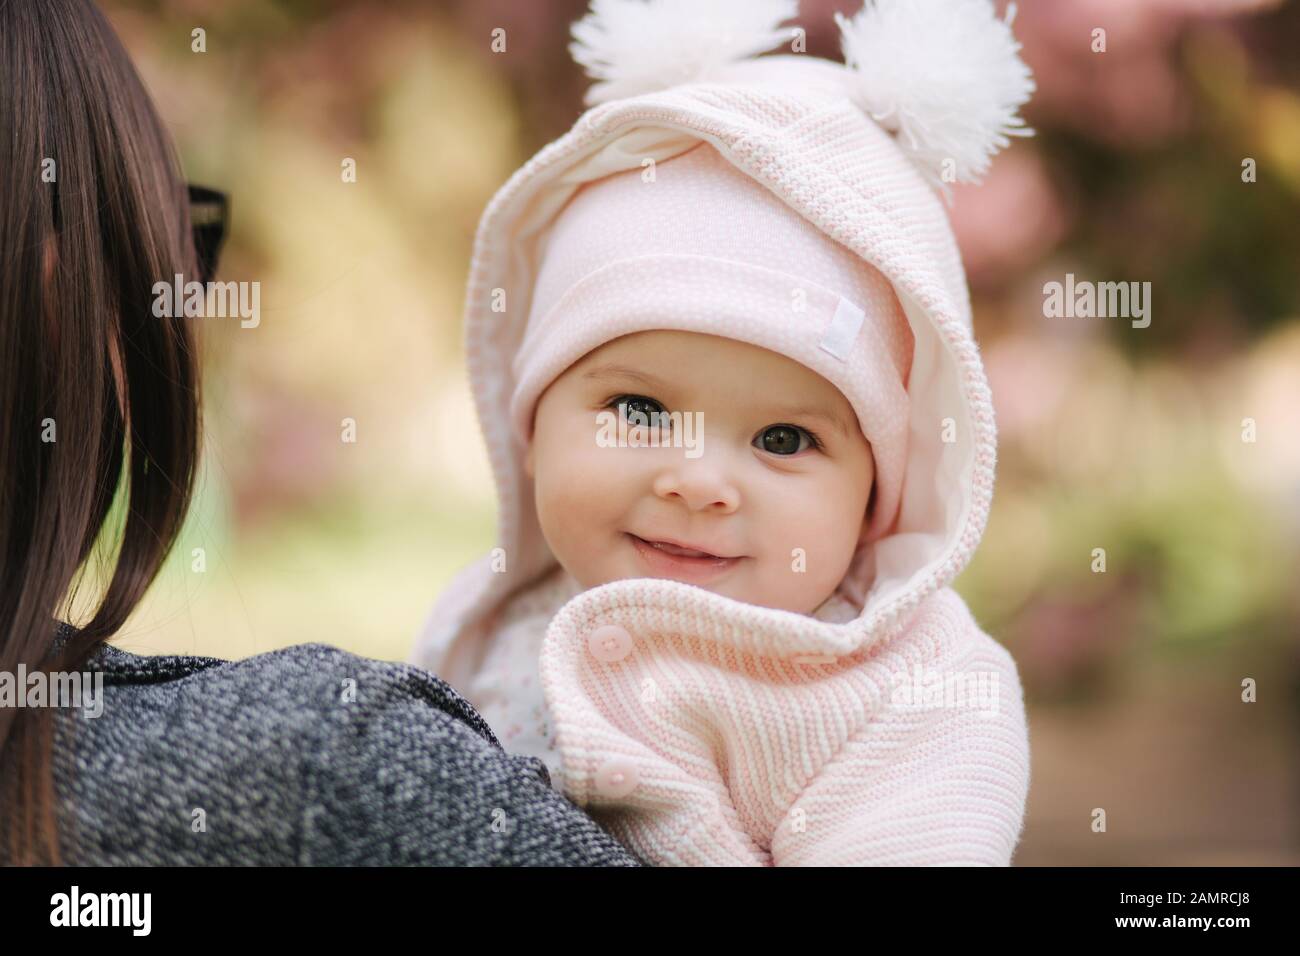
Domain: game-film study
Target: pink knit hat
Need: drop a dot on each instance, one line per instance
(698, 246)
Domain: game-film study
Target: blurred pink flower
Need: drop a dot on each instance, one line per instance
(1127, 95)
(1130, 95)
(1217, 8)
(283, 452)
(1065, 642)
(1029, 377)
(1010, 221)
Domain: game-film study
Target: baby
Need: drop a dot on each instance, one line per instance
(721, 352)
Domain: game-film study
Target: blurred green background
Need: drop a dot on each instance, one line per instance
(1111, 437)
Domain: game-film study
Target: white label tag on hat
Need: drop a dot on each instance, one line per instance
(843, 329)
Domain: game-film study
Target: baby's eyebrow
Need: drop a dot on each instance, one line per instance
(614, 370)
(611, 370)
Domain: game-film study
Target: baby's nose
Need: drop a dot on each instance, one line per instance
(701, 484)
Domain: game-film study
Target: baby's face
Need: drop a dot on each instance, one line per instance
(776, 480)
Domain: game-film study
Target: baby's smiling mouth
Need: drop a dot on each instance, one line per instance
(681, 549)
(656, 557)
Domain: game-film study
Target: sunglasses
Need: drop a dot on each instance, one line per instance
(209, 212)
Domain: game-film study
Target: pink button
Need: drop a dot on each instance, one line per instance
(617, 778)
(609, 643)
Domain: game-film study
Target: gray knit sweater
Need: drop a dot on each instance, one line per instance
(307, 755)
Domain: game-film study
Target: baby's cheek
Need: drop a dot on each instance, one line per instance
(812, 559)
(809, 548)
(574, 485)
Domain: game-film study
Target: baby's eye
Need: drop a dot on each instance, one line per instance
(638, 410)
(784, 440)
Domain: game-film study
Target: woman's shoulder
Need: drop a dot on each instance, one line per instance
(295, 685)
(308, 754)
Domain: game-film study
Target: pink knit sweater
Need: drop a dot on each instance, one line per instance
(696, 752)
(704, 730)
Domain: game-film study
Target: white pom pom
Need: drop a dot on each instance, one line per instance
(944, 75)
(636, 46)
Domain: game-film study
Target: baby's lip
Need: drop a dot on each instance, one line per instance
(687, 546)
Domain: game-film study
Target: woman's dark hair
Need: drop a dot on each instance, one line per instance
(95, 391)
